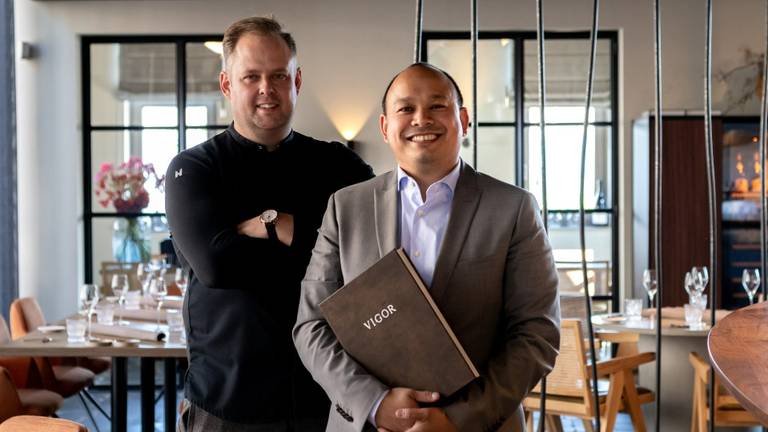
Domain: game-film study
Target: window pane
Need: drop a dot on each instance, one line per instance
(567, 69)
(197, 136)
(496, 152)
(563, 166)
(108, 241)
(203, 67)
(564, 236)
(152, 146)
(496, 100)
(125, 77)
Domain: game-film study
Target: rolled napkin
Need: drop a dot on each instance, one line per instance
(678, 313)
(170, 302)
(142, 331)
(142, 314)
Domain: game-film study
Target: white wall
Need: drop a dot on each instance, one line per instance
(348, 49)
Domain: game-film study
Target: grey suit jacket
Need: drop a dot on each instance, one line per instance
(495, 283)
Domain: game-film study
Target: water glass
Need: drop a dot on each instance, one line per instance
(76, 330)
(633, 308)
(132, 300)
(693, 315)
(698, 300)
(105, 314)
(175, 326)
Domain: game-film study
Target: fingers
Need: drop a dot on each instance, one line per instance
(412, 414)
(425, 396)
(381, 429)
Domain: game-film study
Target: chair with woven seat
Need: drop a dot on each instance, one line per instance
(40, 424)
(64, 379)
(728, 410)
(569, 390)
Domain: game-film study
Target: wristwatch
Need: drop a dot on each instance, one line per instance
(269, 219)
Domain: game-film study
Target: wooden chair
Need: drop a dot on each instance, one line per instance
(728, 410)
(569, 391)
(40, 424)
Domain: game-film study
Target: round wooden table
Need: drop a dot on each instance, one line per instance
(738, 347)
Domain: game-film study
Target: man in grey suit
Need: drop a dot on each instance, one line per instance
(477, 242)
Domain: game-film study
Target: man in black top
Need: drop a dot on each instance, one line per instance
(244, 208)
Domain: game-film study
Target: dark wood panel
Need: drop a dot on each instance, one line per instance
(685, 217)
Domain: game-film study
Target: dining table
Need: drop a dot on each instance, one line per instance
(677, 341)
(54, 344)
(738, 347)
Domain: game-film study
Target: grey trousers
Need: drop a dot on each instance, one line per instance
(196, 419)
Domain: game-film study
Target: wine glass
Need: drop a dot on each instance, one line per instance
(750, 280)
(144, 274)
(651, 284)
(158, 290)
(119, 288)
(700, 278)
(688, 284)
(182, 280)
(88, 297)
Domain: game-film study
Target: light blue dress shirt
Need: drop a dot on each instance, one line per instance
(423, 223)
(422, 228)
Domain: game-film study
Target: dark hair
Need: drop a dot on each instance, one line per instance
(427, 66)
(260, 25)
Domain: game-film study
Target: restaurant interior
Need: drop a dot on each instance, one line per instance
(670, 138)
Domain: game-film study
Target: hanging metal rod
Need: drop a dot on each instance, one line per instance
(544, 206)
(763, 197)
(582, 214)
(712, 201)
(658, 191)
(473, 36)
(418, 31)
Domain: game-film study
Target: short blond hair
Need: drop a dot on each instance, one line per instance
(265, 26)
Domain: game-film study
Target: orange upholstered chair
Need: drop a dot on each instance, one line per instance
(40, 424)
(15, 401)
(64, 379)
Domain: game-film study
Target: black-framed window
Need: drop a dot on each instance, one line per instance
(509, 131)
(145, 97)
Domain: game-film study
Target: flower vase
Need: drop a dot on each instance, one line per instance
(130, 240)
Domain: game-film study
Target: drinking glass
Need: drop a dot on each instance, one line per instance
(144, 275)
(688, 284)
(693, 316)
(650, 283)
(700, 278)
(633, 308)
(182, 280)
(158, 290)
(119, 287)
(750, 280)
(75, 330)
(88, 297)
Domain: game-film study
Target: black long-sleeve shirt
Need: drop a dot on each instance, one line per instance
(243, 292)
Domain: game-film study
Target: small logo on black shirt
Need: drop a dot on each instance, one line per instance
(178, 173)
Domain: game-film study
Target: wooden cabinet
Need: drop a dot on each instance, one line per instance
(684, 216)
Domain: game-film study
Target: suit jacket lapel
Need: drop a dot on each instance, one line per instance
(466, 198)
(386, 214)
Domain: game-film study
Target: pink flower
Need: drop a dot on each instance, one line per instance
(123, 185)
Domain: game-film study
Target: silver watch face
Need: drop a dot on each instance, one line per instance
(268, 217)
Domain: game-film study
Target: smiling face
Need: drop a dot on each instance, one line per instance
(262, 82)
(423, 123)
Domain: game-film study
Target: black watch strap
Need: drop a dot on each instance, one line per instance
(271, 232)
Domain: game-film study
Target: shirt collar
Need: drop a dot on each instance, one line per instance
(246, 142)
(449, 180)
